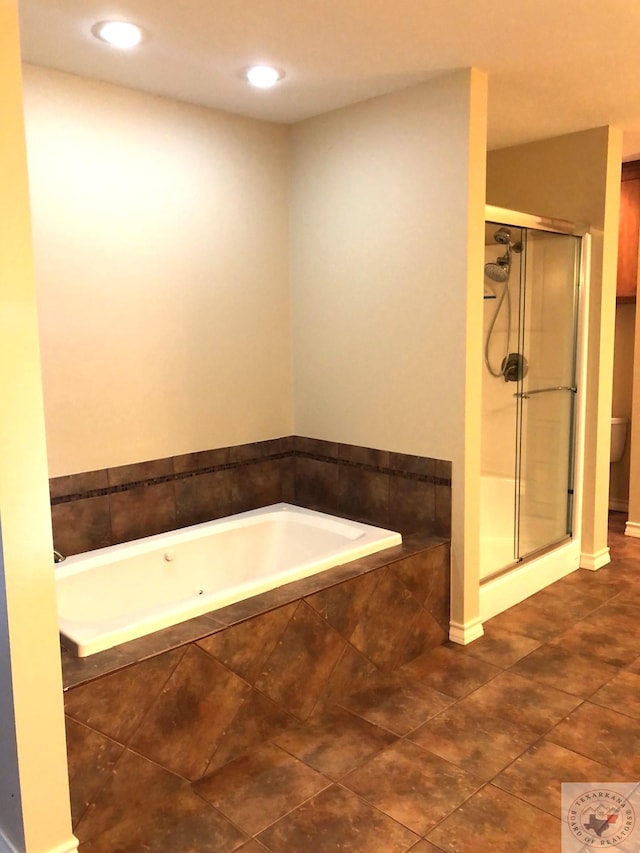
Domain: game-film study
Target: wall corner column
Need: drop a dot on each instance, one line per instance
(34, 792)
(465, 623)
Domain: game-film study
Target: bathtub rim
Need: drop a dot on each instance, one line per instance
(82, 639)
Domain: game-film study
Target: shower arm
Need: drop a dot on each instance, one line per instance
(524, 395)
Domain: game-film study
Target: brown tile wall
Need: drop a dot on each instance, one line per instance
(194, 708)
(411, 494)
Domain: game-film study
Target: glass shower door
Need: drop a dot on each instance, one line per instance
(546, 392)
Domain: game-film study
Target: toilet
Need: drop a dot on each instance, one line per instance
(619, 429)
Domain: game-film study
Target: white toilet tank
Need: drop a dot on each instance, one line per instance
(619, 430)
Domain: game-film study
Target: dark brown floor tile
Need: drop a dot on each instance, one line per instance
(155, 812)
(81, 525)
(116, 704)
(604, 583)
(602, 735)
(245, 648)
(335, 821)
(530, 620)
(425, 846)
(412, 786)
(599, 641)
(630, 596)
(537, 775)
(91, 758)
(186, 824)
(621, 621)
(480, 742)
(397, 705)
(449, 672)
(567, 671)
(335, 742)
(196, 706)
(565, 603)
(256, 790)
(302, 662)
(142, 511)
(382, 628)
(492, 820)
(135, 787)
(512, 697)
(500, 648)
(251, 847)
(258, 720)
(634, 666)
(619, 611)
(343, 605)
(203, 497)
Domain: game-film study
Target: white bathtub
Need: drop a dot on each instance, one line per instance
(122, 592)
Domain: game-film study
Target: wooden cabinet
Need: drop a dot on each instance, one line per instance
(629, 232)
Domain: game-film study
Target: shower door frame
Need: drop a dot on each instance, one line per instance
(536, 571)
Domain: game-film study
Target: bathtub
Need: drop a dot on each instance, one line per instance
(122, 592)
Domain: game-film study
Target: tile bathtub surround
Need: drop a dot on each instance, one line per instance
(411, 494)
(194, 710)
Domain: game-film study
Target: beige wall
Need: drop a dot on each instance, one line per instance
(386, 258)
(622, 398)
(160, 234)
(34, 805)
(577, 177)
(378, 211)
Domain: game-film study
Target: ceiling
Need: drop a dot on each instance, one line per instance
(554, 66)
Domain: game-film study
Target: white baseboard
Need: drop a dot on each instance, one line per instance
(619, 504)
(467, 633)
(632, 528)
(596, 561)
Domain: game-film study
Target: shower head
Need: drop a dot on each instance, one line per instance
(498, 272)
(503, 236)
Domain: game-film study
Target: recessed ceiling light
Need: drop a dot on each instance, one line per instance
(263, 76)
(118, 33)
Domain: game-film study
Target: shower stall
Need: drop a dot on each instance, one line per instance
(531, 399)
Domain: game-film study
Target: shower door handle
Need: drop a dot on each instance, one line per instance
(524, 395)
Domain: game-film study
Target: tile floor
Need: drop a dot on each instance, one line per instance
(463, 751)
